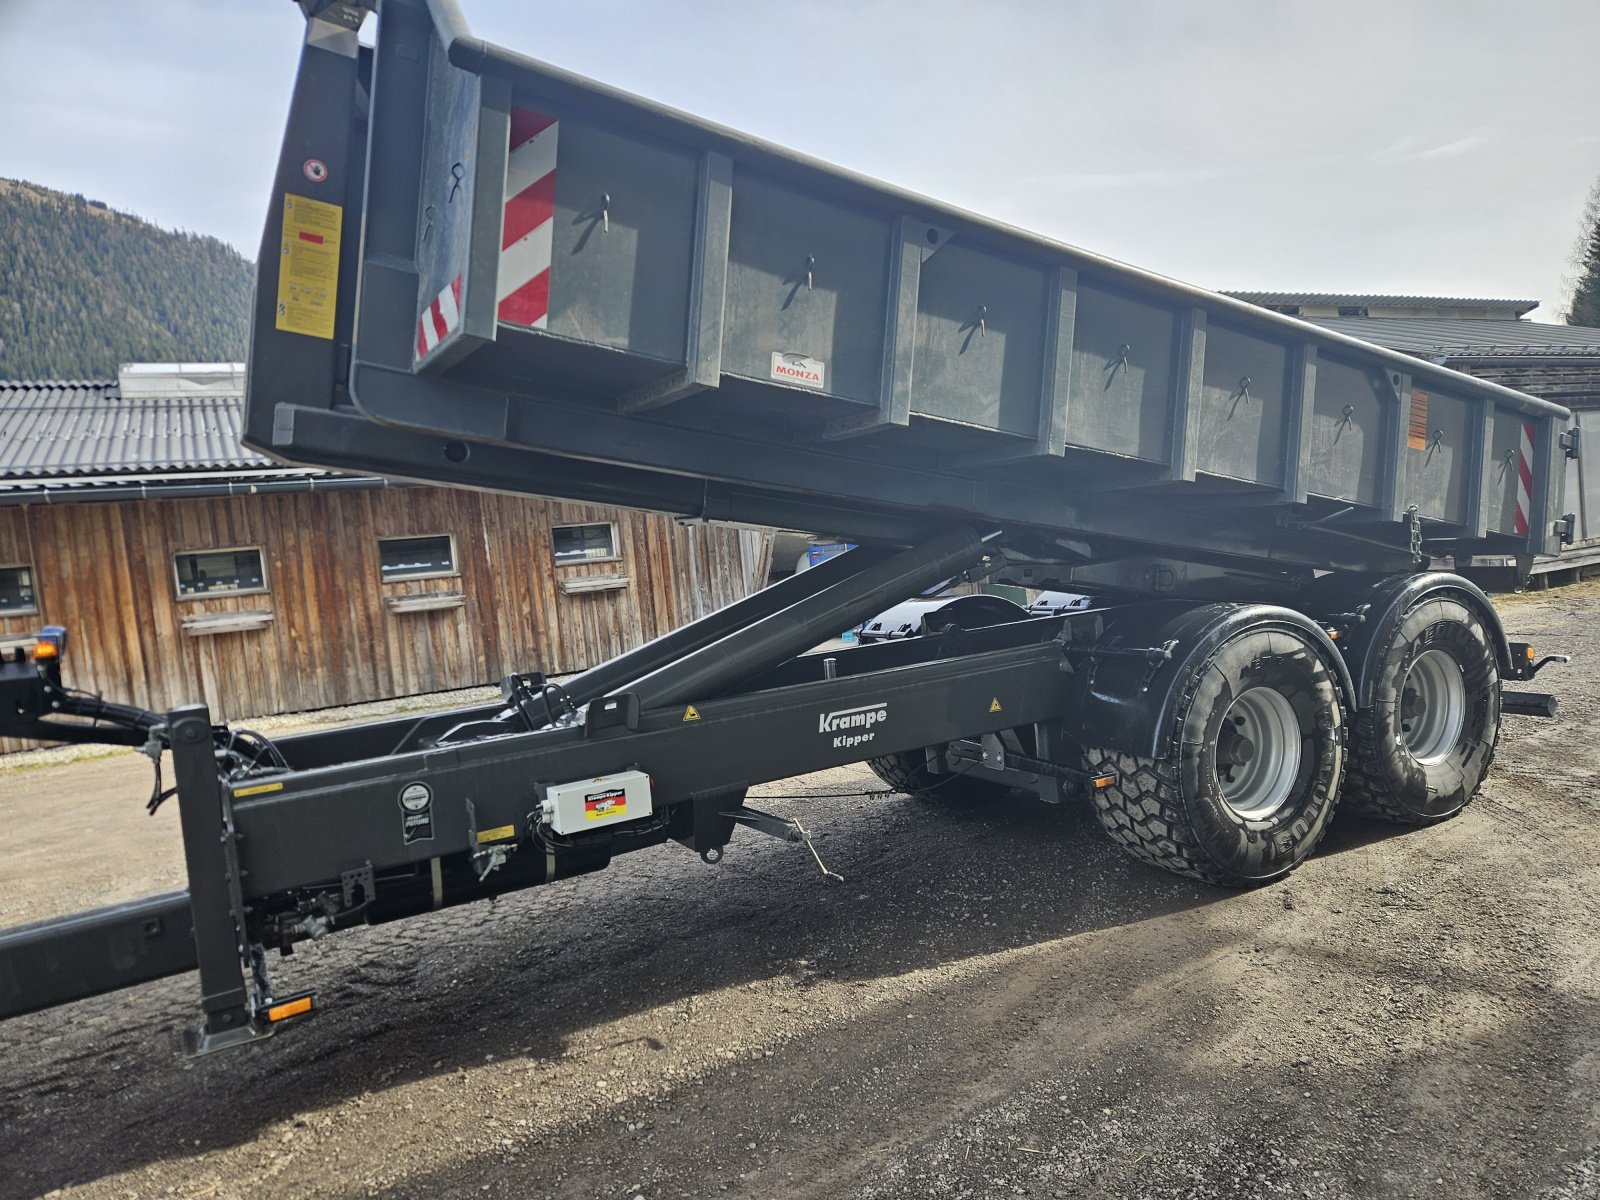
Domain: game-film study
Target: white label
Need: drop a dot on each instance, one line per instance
(801, 369)
(852, 726)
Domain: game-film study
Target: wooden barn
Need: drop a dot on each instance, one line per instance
(185, 567)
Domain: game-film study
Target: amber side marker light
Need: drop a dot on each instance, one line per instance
(1102, 781)
(1530, 653)
(299, 1006)
(45, 651)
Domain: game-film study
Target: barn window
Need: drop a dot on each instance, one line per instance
(16, 590)
(417, 557)
(585, 543)
(220, 572)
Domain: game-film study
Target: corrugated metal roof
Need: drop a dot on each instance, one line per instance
(1356, 300)
(1443, 337)
(87, 427)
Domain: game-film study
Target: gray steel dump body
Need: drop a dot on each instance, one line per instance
(546, 285)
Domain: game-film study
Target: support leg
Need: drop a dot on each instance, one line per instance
(227, 997)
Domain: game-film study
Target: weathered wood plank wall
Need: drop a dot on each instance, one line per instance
(105, 572)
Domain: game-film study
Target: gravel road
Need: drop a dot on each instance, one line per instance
(995, 1003)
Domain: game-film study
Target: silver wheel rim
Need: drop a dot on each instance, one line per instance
(1433, 706)
(1258, 753)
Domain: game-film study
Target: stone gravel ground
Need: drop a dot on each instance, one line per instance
(995, 1003)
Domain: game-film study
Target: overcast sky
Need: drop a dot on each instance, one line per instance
(1430, 146)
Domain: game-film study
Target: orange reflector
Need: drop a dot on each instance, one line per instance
(45, 650)
(1530, 653)
(1335, 634)
(299, 1006)
(1102, 781)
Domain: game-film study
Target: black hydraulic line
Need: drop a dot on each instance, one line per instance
(760, 645)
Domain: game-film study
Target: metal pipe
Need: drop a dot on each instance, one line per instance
(763, 644)
(97, 494)
(398, 734)
(612, 675)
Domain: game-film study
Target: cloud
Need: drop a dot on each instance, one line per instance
(1450, 149)
(1415, 149)
(1101, 181)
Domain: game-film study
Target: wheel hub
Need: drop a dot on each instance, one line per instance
(1433, 706)
(1258, 753)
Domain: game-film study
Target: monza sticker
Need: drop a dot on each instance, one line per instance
(416, 813)
(801, 369)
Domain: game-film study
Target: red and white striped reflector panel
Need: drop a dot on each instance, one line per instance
(1525, 477)
(441, 317)
(527, 236)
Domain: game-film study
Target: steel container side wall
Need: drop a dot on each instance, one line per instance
(979, 350)
(807, 277)
(1439, 443)
(1124, 364)
(1240, 418)
(1345, 452)
(903, 312)
(621, 243)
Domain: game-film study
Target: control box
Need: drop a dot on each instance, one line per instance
(590, 804)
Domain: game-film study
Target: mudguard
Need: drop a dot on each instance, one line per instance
(1128, 683)
(1367, 608)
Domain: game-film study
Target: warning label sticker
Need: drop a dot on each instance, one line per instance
(798, 368)
(308, 266)
(597, 806)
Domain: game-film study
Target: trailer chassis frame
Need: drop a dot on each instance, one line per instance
(390, 819)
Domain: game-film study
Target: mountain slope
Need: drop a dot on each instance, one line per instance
(84, 288)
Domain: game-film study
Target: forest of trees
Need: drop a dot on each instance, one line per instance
(84, 288)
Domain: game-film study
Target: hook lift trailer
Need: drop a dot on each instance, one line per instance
(483, 271)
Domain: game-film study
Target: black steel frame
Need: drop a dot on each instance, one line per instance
(706, 711)
(325, 834)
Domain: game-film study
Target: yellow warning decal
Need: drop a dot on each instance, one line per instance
(498, 834)
(308, 266)
(257, 789)
(994, 705)
(691, 713)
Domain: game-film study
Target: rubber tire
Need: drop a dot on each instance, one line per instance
(1169, 812)
(908, 773)
(1383, 779)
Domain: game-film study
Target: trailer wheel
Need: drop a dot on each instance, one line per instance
(909, 773)
(1249, 786)
(1422, 750)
